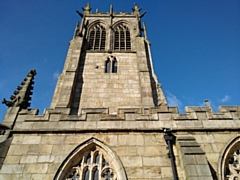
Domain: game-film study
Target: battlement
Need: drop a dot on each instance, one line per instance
(199, 118)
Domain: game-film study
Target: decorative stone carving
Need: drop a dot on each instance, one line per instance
(22, 94)
(230, 161)
(136, 11)
(87, 9)
(233, 172)
(91, 160)
(92, 166)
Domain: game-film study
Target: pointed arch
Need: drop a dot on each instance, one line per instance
(107, 66)
(96, 35)
(229, 160)
(127, 23)
(75, 164)
(111, 65)
(114, 65)
(122, 36)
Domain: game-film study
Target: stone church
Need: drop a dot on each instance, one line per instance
(109, 119)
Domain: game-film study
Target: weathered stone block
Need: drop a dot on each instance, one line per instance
(166, 172)
(31, 139)
(132, 161)
(134, 172)
(36, 168)
(156, 161)
(12, 160)
(18, 149)
(28, 159)
(45, 159)
(130, 140)
(12, 168)
(54, 139)
(39, 149)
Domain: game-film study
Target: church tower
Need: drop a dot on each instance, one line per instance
(108, 65)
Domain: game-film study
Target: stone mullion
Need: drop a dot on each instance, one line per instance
(100, 165)
(94, 39)
(91, 165)
(119, 39)
(110, 64)
(124, 39)
(111, 39)
(100, 38)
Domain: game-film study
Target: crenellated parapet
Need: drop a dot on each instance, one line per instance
(199, 118)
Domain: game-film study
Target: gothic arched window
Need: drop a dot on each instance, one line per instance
(114, 65)
(111, 65)
(97, 37)
(89, 168)
(92, 160)
(108, 66)
(230, 165)
(122, 38)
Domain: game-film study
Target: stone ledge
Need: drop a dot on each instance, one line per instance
(191, 119)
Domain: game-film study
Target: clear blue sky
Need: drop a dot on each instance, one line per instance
(195, 46)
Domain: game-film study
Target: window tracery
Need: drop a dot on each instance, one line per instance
(233, 169)
(91, 160)
(231, 161)
(92, 166)
(97, 37)
(122, 38)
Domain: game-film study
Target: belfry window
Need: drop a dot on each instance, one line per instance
(97, 37)
(111, 65)
(122, 38)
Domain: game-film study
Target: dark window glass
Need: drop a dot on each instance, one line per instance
(91, 39)
(105, 163)
(86, 174)
(97, 158)
(114, 66)
(88, 160)
(122, 38)
(95, 174)
(128, 40)
(103, 39)
(108, 66)
(97, 38)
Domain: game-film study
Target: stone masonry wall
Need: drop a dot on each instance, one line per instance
(113, 90)
(41, 143)
(39, 156)
(144, 155)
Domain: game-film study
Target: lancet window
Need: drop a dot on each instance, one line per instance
(111, 65)
(122, 38)
(97, 37)
(92, 166)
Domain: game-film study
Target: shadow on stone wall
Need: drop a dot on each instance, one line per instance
(75, 99)
(213, 172)
(152, 80)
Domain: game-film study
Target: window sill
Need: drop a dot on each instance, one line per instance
(113, 51)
